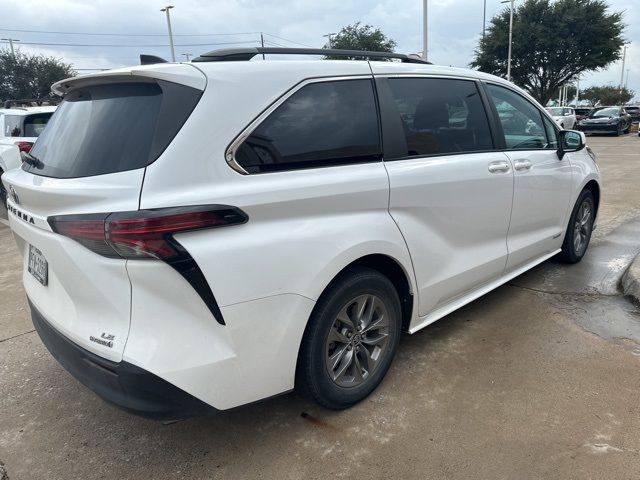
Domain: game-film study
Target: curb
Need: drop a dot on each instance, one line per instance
(631, 280)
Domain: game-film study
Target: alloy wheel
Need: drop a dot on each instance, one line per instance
(357, 341)
(582, 228)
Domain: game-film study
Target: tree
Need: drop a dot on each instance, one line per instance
(29, 76)
(606, 95)
(553, 43)
(360, 37)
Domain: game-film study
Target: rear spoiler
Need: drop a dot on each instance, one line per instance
(182, 73)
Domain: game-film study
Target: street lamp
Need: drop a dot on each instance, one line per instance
(166, 10)
(425, 27)
(329, 35)
(624, 58)
(510, 38)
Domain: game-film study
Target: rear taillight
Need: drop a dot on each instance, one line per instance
(143, 233)
(24, 146)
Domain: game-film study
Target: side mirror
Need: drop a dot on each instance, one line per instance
(569, 141)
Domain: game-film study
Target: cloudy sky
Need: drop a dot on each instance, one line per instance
(136, 27)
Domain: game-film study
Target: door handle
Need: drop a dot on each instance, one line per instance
(499, 167)
(522, 165)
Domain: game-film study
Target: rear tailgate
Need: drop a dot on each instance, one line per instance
(89, 162)
(82, 294)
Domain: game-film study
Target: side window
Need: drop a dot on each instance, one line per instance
(552, 133)
(441, 115)
(13, 126)
(521, 120)
(322, 124)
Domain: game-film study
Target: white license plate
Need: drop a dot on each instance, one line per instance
(38, 266)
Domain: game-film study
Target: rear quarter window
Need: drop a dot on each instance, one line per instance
(322, 124)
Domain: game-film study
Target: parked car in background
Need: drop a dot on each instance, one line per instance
(606, 120)
(634, 111)
(9, 159)
(581, 113)
(21, 126)
(223, 231)
(563, 116)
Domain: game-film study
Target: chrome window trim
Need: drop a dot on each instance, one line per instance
(230, 153)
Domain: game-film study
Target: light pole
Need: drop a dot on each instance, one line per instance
(11, 40)
(484, 19)
(425, 30)
(328, 36)
(510, 38)
(166, 10)
(624, 58)
(626, 82)
(187, 55)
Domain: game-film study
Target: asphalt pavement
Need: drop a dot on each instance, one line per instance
(538, 379)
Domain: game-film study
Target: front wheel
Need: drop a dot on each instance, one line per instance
(578, 234)
(351, 339)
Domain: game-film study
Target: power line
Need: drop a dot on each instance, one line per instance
(125, 34)
(287, 40)
(131, 46)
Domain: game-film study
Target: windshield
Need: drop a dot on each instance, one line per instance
(111, 128)
(604, 112)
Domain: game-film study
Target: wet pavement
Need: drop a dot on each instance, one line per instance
(538, 379)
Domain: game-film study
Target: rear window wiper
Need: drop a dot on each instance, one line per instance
(31, 160)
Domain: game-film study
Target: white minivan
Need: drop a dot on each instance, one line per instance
(199, 236)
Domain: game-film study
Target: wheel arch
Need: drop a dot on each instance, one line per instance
(594, 188)
(394, 271)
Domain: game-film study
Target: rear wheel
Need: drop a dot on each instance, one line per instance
(578, 235)
(351, 339)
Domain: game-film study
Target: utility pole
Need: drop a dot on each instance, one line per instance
(262, 43)
(166, 10)
(328, 36)
(577, 90)
(11, 40)
(187, 55)
(425, 30)
(626, 82)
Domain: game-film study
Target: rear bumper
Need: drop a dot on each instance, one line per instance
(123, 384)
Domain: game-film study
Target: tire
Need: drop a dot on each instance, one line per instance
(332, 343)
(572, 249)
(627, 130)
(3, 192)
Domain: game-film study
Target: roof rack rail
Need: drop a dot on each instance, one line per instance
(30, 102)
(244, 54)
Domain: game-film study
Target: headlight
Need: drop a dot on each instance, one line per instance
(613, 121)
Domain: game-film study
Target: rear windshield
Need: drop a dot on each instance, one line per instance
(25, 125)
(111, 128)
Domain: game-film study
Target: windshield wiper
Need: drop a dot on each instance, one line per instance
(31, 160)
